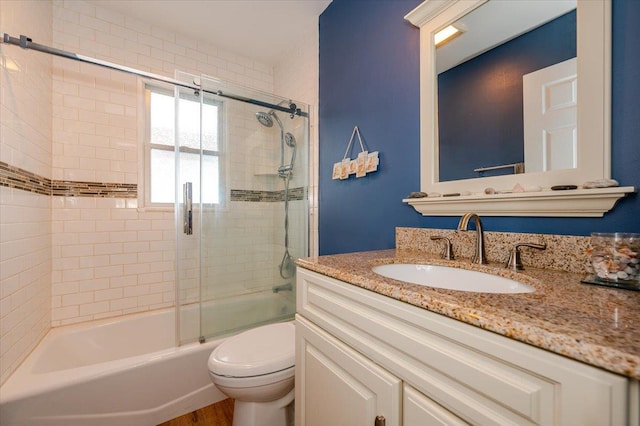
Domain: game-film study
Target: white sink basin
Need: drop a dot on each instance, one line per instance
(451, 278)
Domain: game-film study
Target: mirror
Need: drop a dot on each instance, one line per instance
(592, 151)
(482, 98)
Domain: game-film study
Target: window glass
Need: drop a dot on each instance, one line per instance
(160, 147)
(189, 123)
(162, 176)
(162, 119)
(190, 172)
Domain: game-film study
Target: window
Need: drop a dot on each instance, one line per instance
(195, 151)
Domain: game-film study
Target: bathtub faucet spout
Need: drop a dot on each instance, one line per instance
(283, 287)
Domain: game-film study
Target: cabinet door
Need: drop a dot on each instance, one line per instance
(336, 386)
(419, 410)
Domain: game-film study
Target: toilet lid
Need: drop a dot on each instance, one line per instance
(255, 352)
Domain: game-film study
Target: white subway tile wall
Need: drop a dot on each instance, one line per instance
(75, 259)
(109, 258)
(127, 253)
(25, 274)
(96, 137)
(25, 227)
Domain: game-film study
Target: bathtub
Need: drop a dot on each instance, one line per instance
(124, 371)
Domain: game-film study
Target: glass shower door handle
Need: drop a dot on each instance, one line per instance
(187, 213)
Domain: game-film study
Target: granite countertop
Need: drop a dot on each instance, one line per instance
(596, 325)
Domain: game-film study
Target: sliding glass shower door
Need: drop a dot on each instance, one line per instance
(242, 214)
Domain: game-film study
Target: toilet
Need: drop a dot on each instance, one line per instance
(256, 368)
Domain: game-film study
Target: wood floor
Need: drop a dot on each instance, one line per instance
(218, 414)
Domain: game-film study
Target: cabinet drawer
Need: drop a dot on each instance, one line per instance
(481, 377)
(418, 410)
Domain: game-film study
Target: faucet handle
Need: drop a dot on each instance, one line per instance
(447, 251)
(515, 262)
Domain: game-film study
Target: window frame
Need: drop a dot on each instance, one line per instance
(148, 145)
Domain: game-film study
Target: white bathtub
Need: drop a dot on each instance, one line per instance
(124, 371)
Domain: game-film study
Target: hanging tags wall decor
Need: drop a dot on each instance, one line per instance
(366, 162)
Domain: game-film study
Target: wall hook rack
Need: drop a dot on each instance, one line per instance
(365, 162)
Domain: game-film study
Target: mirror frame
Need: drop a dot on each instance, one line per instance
(594, 130)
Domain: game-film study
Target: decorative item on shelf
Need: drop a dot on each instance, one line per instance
(417, 195)
(563, 187)
(532, 188)
(600, 183)
(491, 191)
(457, 194)
(517, 188)
(366, 162)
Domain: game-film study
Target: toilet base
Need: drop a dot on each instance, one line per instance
(272, 413)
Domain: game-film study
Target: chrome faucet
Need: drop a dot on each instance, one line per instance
(283, 287)
(479, 257)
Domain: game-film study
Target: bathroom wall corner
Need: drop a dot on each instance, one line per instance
(25, 216)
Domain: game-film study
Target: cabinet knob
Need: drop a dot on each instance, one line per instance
(380, 421)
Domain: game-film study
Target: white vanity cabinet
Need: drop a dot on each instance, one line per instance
(360, 355)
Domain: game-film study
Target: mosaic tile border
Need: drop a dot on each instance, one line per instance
(93, 189)
(15, 177)
(248, 195)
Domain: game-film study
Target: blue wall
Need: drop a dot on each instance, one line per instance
(369, 76)
(480, 102)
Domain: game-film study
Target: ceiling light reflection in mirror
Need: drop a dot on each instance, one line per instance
(446, 34)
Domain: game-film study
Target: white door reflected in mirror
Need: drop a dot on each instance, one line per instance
(551, 118)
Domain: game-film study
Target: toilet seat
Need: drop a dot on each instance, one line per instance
(254, 381)
(256, 352)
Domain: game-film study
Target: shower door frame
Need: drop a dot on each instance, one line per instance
(200, 210)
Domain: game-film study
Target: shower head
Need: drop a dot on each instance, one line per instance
(264, 119)
(290, 140)
(285, 170)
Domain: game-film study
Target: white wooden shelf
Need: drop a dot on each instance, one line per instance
(570, 203)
